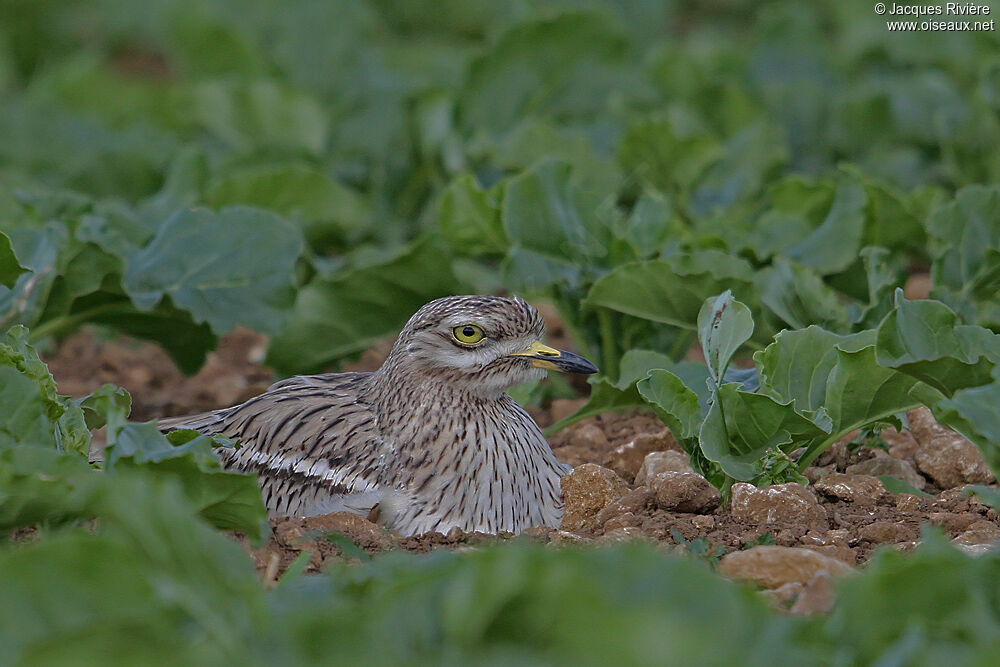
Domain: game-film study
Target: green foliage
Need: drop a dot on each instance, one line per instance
(817, 386)
(318, 170)
(45, 441)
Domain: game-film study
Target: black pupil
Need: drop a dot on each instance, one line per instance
(468, 332)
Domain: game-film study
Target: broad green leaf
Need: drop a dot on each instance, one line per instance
(652, 224)
(884, 274)
(535, 69)
(741, 427)
(108, 406)
(25, 414)
(33, 412)
(636, 364)
(228, 500)
(227, 269)
(39, 250)
(969, 237)
(900, 607)
(39, 484)
(550, 222)
(259, 114)
(535, 139)
(799, 297)
(10, 268)
(182, 188)
(891, 221)
(346, 314)
(676, 404)
(158, 570)
(672, 291)
(748, 160)
(469, 218)
(834, 245)
(669, 157)
(329, 212)
(797, 365)
(724, 324)
(922, 339)
(860, 392)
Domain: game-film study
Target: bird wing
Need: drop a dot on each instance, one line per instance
(313, 442)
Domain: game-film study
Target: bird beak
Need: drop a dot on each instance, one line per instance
(543, 356)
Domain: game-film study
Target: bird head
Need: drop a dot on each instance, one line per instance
(486, 343)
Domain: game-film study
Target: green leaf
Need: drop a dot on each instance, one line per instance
(666, 155)
(33, 412)
(672, 291)
(351, 311)
(535, 68)
(328, 211)
(260, 114)
(10, 268)
(724, 324)
(227, 500)
(741, 427)
(748, 159)
(834, 245)
(797, 365)
(227, 269)
(469, 218)
(39, 250)
(896, 485)
(969, 239)
(39, 484)
(555, 223)
(922, 339)
(799, 297)
(108, 406)
(652, 224)
(675, 403)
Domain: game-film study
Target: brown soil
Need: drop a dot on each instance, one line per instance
(852, 530)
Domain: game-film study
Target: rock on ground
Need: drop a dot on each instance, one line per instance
(887, 465)
(587, 489)
(772, 566)
(684, 492)
(657, 462)
(627, 459)
(780, 505)
(945, 456)
(861, 489)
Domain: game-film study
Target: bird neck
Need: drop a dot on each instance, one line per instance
(397, 387)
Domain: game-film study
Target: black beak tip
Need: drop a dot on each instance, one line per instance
(574, 363)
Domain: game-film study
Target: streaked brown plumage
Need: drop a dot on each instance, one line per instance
(431, 438)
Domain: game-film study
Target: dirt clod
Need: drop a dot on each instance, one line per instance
(627, 460)
(778, 506)
(588, 489)
(774, 566)
(684, 492)
(883, 464)
(657, 462)
(861, 489)
(945, 456)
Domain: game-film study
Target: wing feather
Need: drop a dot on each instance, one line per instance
(312, 441)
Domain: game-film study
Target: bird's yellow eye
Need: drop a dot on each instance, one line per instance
(469, 334)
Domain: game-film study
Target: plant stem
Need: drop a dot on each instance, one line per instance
(609, 342)
(65, 323)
